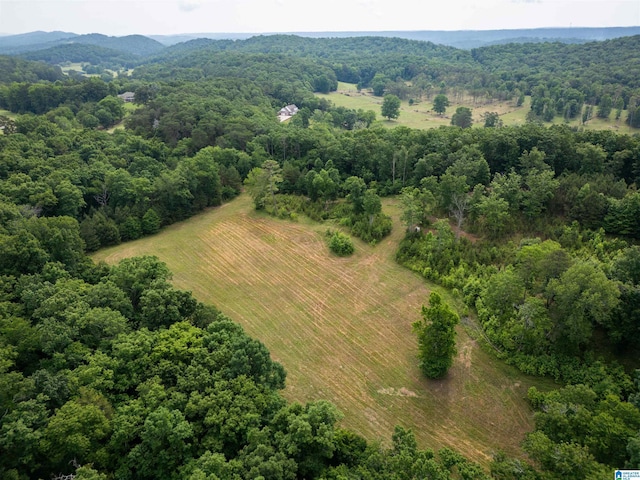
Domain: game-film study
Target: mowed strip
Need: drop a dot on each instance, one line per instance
(341, 327)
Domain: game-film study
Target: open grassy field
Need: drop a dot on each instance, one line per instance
(77, 66)
(421, 115)
(342, 326)
(8, 114)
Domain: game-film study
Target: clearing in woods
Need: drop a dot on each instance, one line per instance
(342, 326)
(421, 114)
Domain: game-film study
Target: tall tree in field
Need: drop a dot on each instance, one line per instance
(436, 337)
(440, 104)
(391, 106)
(604, 107)
(462, 118)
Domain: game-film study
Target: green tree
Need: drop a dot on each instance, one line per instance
(416, 206)
(619, 105)
(436, 337)
(391, 106)
(325, 185)
(378, 84)
(76, 431)
(202, 175)
(470, 163)
(462, 118)
(356, 188)
(165, 443)
(541, 186)
(604, 106)
(372, 204)
(491, 120)
(263, 182)
(440, 104)
(494, 213)
(151, 222)
(581, 297)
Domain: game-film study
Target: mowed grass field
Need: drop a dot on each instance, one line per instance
(421, 114)
(342, 326)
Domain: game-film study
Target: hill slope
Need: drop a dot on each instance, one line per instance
(341, 327)
(130, 44)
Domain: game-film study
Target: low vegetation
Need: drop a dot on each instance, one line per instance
(340, 244)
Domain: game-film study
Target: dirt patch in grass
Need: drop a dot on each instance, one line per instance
(342, 327)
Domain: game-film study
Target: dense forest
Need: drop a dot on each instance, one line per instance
(561, 78)
(111, 372)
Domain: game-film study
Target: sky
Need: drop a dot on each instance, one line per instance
(165, 17)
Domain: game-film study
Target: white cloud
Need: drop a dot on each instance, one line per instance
(189, 5)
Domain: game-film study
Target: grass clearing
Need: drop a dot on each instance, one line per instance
(8, 114)
(420, 115)
(68, 66)
(342, 326)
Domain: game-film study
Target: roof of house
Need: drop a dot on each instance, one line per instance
(288, 110)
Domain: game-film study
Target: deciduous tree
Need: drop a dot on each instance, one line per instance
(391, 106)
(462, 118)
(436, 337)
(440, 104)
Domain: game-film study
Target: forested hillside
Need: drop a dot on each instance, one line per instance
(111, 372)
(131, 44)
(17, 70)
(79, 52)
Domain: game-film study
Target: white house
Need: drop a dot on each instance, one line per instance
(287, 112)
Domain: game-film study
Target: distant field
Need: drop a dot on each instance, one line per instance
(342, 326)
(421, 115)
(7, 113)
(79, 68)
(71, 66)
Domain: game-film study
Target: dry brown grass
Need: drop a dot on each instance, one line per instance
(342, 327)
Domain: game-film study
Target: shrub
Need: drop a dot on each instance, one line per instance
(341, 244)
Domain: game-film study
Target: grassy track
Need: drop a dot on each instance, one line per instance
(421, 115)
(341, 326)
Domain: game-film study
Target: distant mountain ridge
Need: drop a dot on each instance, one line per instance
(30, 42)
(465, 39)
(82, 52)
(33, 38)
(58, 46)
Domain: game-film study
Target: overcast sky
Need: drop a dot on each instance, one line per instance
(117, 17)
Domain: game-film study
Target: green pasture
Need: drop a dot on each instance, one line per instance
(421, 115)
(342, 326)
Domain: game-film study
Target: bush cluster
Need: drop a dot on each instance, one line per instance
(340, 244)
